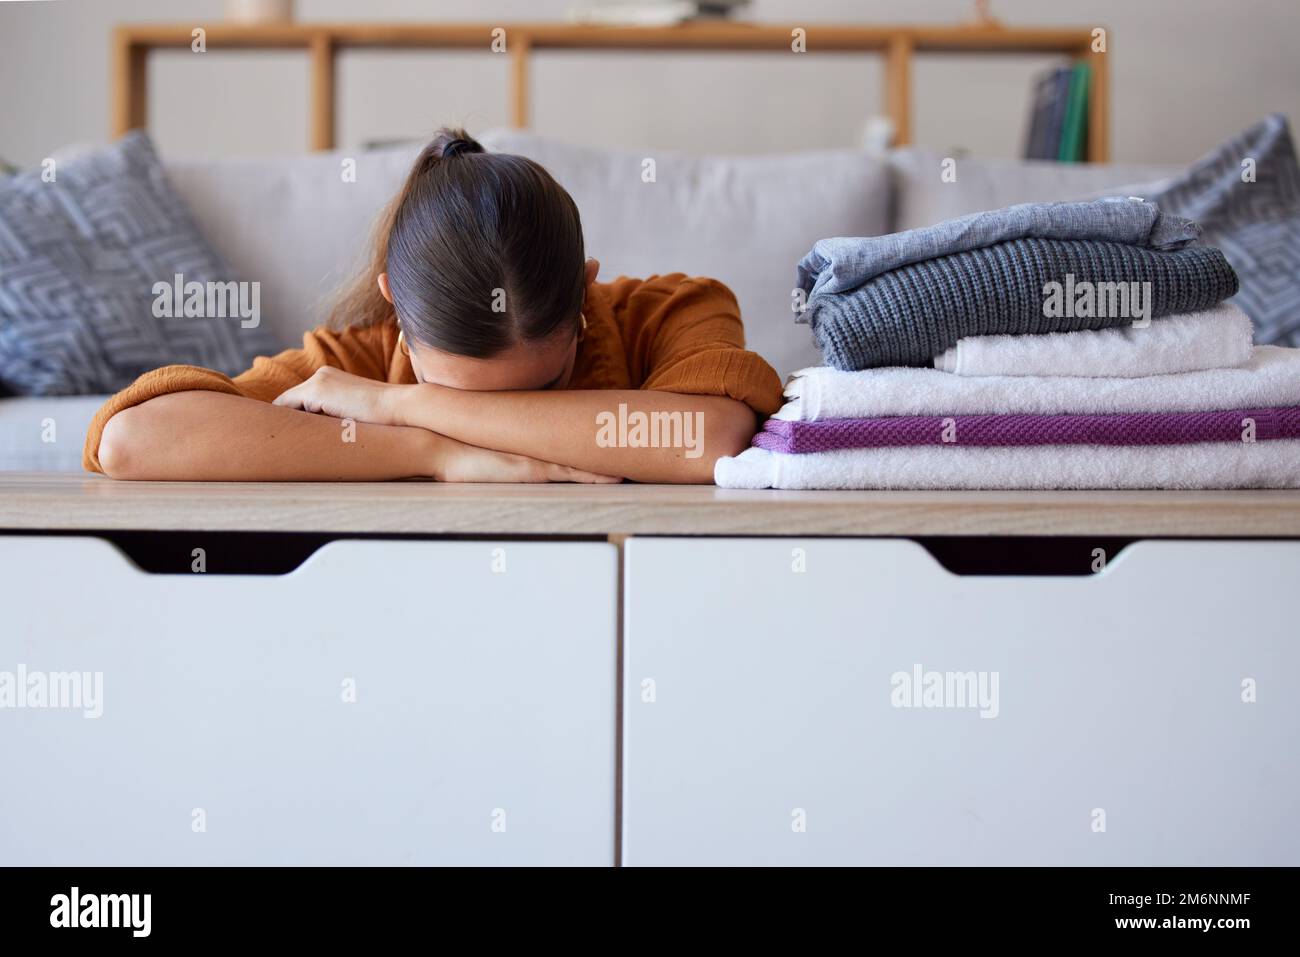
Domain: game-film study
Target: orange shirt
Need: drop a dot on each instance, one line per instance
(667, 333)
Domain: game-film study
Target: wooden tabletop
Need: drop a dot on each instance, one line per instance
(71, 501)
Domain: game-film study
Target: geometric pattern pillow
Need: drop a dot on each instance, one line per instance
(1256, 224)
(79, 260)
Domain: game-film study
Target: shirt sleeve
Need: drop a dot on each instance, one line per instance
(363, 351)
(685, 335)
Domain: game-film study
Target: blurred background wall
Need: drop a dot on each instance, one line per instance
(1185, 75)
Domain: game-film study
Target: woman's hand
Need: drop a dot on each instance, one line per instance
(457, 462)
(343, 395)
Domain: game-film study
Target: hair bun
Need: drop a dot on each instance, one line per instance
(458, 144)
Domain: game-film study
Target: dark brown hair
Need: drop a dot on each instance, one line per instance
(482, 250)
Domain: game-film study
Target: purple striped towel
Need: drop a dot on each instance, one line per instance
(1128, 428)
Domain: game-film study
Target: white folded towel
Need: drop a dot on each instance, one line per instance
(1274, 464)
(1271, 377)
(1217, 338)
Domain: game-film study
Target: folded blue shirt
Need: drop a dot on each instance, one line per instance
(844, 263)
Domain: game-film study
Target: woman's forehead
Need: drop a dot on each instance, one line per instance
(525, 365)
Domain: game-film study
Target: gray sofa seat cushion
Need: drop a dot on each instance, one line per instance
(45, 433)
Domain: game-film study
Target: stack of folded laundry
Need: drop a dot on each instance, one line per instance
(1042, 346)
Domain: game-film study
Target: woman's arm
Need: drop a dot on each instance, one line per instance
(642, 436)
(645, 436)
(212, 436)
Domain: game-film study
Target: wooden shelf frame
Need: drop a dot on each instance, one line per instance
(899, 45)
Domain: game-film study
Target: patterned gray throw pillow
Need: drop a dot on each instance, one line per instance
(87, 248)
(1256, 223)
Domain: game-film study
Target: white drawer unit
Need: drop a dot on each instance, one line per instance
(388, 702)
(850, 701)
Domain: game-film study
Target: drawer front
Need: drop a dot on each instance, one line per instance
(852, 702)
(412, 702)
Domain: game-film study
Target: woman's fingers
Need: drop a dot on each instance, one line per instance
(565, 473)
(289, 398)
(468, 463)
(508, 467)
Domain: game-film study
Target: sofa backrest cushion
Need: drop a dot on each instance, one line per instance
(300, 226)
(923, 196)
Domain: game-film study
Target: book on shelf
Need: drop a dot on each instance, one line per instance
(1058, 115)
(1074, 130)
(652, 13)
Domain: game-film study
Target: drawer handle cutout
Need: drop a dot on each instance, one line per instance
(1017, 555)
(244, 553)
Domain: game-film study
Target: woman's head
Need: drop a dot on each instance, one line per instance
(481, 257)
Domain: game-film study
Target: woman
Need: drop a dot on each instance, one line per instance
(477, 347)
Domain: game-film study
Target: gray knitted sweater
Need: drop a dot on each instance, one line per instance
(911, 314)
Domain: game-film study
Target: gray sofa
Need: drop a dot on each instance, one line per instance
(299, 226)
